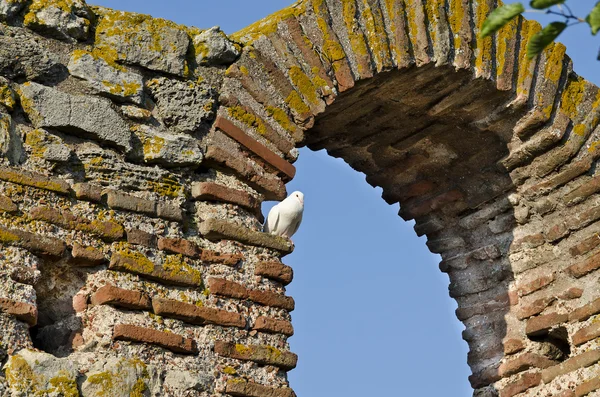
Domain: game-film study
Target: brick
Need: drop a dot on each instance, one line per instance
(524, 382)
(272, 188)
(21, 310)
(580, 269)
(585, 246)
(6, 205)
(586, 189)
(542, 324)
(80, 302)
(234, 290)
(586, 334)
(168, 340)
(127, 202)
(230, 289)
(583, 360)
(134, 262)
(527, 242)
(587, 387)
(584, 312)
(524, 362)
(420, 208)
(139, 237)
(119, 297)
(241, 388)
(535, 285)
(273, 326)
(197, 315)
(263, 355)
(39, 245)
(209, 191)
(179, 246)
(88, 192)
(209, 256)
(556, 232)
(275, 271)
(86, 256)
(169, 211)
(512, 346)
(536, 307)
(216, 229)
(22, 177)
(571, 293)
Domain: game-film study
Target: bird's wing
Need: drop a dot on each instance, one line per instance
(272, 220)
(297, 225)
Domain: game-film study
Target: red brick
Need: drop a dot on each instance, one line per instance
(217, 229)
(80, 303)
(169, 211)
(524, 362)
(209, 191)
(139, 237)
(264, 355)
(273, 299)
(285, 168)
(535, 285)
(209, 256)
(512, 346)
(571, 293)
(583, 360)
(88, 192)
(230, 289)
(273, 326)
(39, 245)
(556, 232)
(179, 246)
(275, 270)
(110, 295)
(128, 202)
(21, 177)
(525, 381)
(168, 340)
(86, 256)
(197, 315)
(542, 324)
(587, 387)
(582, 268)
(527, 242)
(241, 388)
(6, 205)
(584, 312)
(534, 308)
(21, 310)
(585, 246)
(586, 334)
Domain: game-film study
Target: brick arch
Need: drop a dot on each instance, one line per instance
(490, 153)
(131, 177)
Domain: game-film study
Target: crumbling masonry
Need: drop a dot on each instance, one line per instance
(136, 154)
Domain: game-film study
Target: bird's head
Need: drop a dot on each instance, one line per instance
(298, 196)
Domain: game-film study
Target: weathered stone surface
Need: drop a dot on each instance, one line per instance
(31, 372)
(9, 8)
(86, 256)
(128, 202)
(139, 39)
(117, 377)
(61, 19)
(249, 389)
(168, 150)
(213, 47)
(264, 355)
(39, 245)
(180, 246)
(11, 145)
(170, 341)
(113, 81)
(182, 107)
(524, 382)
(21, 56)
(181, 383)
(77, 114)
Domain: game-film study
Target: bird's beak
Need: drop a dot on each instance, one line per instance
(301, 200)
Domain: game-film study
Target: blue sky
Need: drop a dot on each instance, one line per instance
(373, 316)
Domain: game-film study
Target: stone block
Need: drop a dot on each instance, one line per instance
(168, 340)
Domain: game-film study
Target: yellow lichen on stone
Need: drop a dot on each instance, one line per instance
(244, 350)
(376, 35)
(137, 263)
(32, 17)
(153, 145)
(456, 17)
(125, 88)
(138, 389)
(244, 70)
(332, 50)
(304, 84)
(525, 74)
(483, 52)
(432, 8)
(268, 25)
(166, 187)
(555, 54)
(296, 103)
(7, 96)
(240, 114)
(37, 140)
(20, 376)
(579, 129)
(229, 371)
(177, 266)
(507, 33)
(64, 385)
(572, 96)
(355, 35)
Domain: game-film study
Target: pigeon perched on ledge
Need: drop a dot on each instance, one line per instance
(285, 217)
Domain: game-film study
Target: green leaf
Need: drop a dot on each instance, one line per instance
(500, 17)
(543, 38)
(594, 18)
(541, 4)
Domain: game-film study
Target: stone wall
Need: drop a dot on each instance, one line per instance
(136, 154)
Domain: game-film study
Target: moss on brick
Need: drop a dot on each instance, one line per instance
(240, 114)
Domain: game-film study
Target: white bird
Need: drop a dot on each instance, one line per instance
(285, 217)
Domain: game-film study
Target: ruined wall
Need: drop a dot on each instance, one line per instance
(136, 153)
